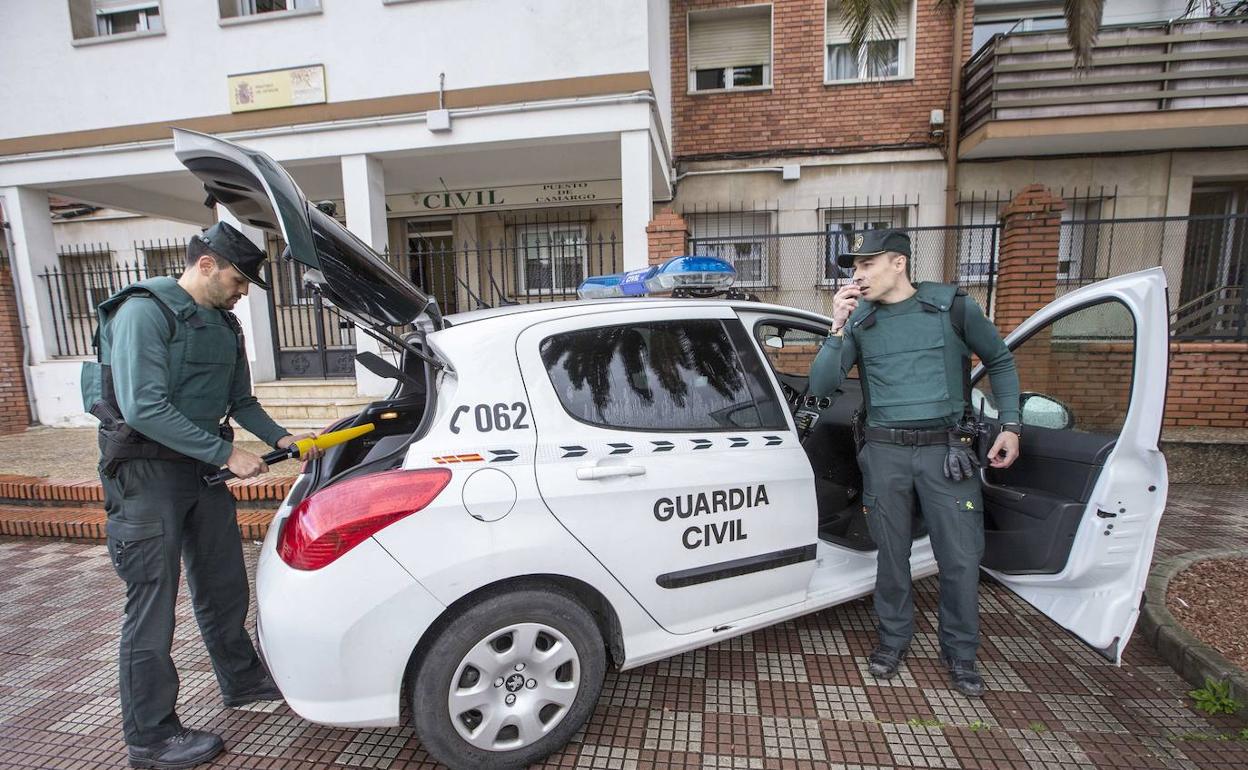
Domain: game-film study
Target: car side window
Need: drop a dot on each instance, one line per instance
(661, 376)
(789, 349)
(1076, 372)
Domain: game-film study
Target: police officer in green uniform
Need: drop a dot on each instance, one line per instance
(912, 345)
(171, 370)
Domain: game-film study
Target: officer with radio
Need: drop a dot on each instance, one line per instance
(171, 371)
(912, 345)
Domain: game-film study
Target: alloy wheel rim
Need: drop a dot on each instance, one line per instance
(514, 686)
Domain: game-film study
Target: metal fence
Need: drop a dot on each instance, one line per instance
(84, 276)
(1205, 258)
(799, 269)
(311, 339)
(546, 266)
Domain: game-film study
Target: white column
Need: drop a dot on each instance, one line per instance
(34, 250)
(637, 191)
(253, 311)
(364, 195)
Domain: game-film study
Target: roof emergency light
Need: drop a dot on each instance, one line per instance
(697, 275)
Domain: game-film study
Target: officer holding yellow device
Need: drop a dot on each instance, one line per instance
(172, 370)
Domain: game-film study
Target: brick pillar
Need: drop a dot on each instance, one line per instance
(1027, 268)
(14, 405)
(1027, 278)
(667, 234)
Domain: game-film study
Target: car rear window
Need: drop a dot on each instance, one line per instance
(663, 376)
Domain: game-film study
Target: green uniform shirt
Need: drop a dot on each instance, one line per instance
(214, 376)
(913, 377)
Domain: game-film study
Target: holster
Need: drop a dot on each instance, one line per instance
(981, 434)
(858, 426)
(119, 442)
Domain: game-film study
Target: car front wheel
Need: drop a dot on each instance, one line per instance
(509, 680)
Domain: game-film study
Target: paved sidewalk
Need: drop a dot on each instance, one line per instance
(795, 695)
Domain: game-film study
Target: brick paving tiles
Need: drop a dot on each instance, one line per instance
(792, 696)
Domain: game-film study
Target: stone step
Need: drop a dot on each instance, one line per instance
(305, 389)
(295, 426)
(88, 523)
(36, 491)
(326, 410)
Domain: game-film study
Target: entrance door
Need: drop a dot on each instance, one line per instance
(1070, 527)
(310, 339)
(431, 260)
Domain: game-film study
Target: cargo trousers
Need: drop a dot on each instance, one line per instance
(894, 477)
(160, 514)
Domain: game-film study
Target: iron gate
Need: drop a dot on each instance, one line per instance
(310, 339)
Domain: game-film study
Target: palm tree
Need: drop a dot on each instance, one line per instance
(868, 19)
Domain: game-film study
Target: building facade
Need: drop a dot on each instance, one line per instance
(484, 145)
(501, 152)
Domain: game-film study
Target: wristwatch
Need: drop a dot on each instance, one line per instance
(1013, 427)
(838, 331)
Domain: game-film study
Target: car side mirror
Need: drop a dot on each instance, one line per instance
(1045, 412)
(774, 341)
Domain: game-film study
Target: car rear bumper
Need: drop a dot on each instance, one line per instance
(337, 640)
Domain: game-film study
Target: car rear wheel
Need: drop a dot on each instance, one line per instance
(509, 680)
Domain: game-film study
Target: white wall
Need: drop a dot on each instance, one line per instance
(120, 230)
(1145, 185)
(660, 39)
(369, 50)
(58, 395)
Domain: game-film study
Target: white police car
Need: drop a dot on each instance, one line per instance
(557, 488)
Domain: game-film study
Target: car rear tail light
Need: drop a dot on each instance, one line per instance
(333, 521)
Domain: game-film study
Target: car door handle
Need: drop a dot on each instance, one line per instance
(1003, 491)
(594, 472)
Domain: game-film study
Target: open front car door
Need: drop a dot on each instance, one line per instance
(1070, 527)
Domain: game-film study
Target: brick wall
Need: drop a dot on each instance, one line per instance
(667, 234)
(14, 407)
(1208, 385)
(799, 112)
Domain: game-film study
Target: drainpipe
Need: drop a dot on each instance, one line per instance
(951, 152)
(10, 249)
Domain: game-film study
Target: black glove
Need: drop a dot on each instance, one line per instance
(960, 459)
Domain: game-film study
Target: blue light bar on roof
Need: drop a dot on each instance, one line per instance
(689, 272)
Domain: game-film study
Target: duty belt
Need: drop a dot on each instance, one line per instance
(906, 436)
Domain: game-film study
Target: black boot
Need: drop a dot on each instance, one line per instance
(965, 678)
(265, 689)
(186, 749)
(883, 662)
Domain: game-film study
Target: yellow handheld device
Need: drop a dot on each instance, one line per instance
(299, 448)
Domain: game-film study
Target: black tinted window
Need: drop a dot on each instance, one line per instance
(665, 375)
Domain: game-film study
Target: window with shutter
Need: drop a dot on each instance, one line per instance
(730, 48)
(885, 55)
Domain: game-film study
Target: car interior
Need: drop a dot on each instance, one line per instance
(1032, 510)
(824, 431)
(399, 419)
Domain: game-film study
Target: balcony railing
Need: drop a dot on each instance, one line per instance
(1189, 64)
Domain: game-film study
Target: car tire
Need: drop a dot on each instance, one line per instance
(476, 698)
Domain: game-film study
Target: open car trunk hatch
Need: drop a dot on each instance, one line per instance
(344, 269)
